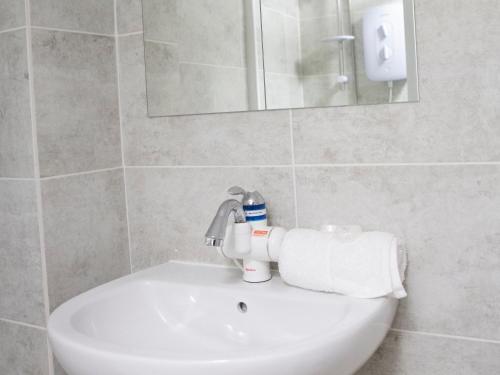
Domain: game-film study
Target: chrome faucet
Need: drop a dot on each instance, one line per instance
(217, 231)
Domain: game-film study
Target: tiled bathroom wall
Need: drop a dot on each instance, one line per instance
(82, 167)
(62, 196)
(428, 171)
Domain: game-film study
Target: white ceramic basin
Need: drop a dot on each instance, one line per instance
(181, 319)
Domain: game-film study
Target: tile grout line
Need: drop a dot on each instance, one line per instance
(228, 166)
(133, 33)
(207, 166)
(28, 325)
(38, 183)
(13, 29)
(156, 41)
(410, 164)
(181, 62)
(451, 337)
(16, 179)
(71, 31)
(122, 142)
(280, 12)
(76, 174)
(294, 172)
(300, 165)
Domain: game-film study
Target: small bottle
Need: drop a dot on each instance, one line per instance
(254, 205)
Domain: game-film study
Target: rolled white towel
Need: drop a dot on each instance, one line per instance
(367, 267)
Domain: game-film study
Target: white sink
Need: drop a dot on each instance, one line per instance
(184, 319)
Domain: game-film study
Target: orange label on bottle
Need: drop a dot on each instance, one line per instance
(260, 233)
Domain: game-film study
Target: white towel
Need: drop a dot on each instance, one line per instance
(370, 266)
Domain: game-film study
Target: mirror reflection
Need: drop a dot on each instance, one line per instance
(208, 56)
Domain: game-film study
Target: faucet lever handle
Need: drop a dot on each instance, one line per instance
(236, 190)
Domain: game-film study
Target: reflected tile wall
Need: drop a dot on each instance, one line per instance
(282, 54)
(320, 60)
(196, 57)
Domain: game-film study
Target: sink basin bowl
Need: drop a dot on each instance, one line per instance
(184, 319)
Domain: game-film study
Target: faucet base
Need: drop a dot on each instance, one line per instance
(256, 271)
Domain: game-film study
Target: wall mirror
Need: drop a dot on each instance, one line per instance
(209, 56)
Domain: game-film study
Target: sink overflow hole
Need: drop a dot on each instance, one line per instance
(242, 307)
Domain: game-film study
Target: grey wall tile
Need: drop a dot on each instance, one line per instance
(414, 354)
(21, 293)
(23, 350)
(177, 88)
(171, 208)
(287, 7)
(129, 16)
(96, 16)
(58, 370)
(226, 139)
(16, 143)
(284, 91)
(12, 14)
(317, 9)
(165, 92)
(77, 104)
(318, 57)
(322, 90)
(203, 35)
(366, 134)
(446, 217)
(236, 139)
(85, 233)
(281, 42)
(210, 37)
(161, 20)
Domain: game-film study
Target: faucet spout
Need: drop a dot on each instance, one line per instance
(217, 231)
